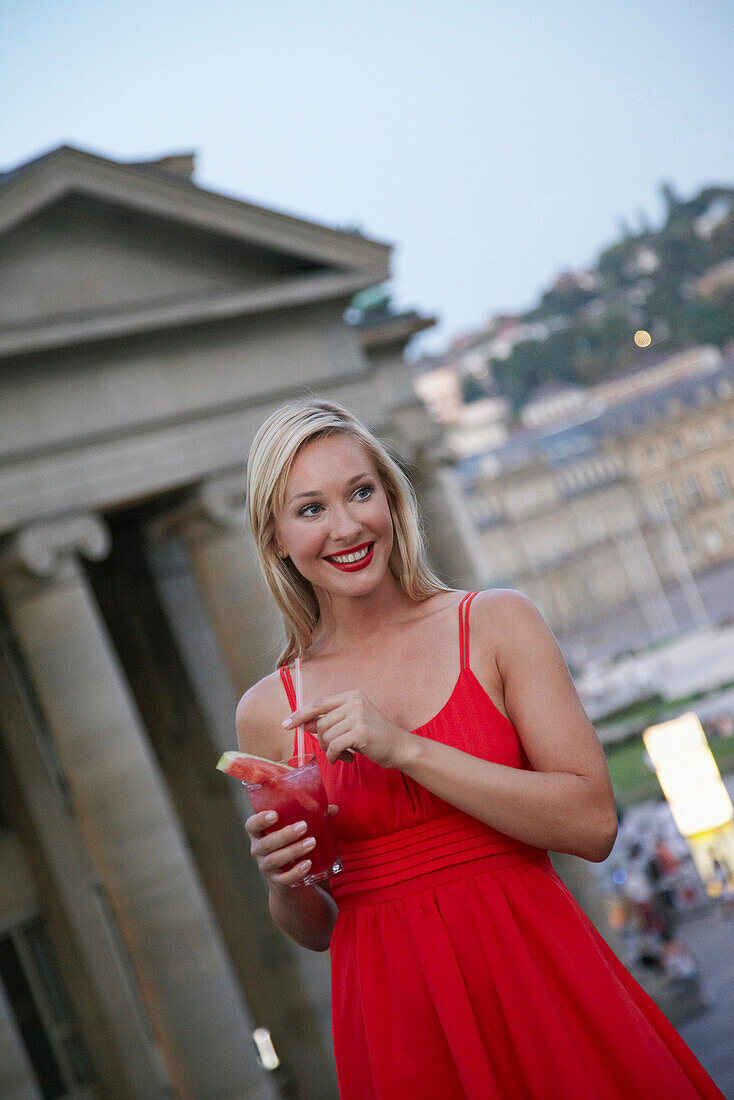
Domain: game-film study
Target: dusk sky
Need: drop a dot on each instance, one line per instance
(493, 143)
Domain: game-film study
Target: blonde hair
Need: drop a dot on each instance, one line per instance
(271, 456)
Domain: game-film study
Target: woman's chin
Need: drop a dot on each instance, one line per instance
(353, 583)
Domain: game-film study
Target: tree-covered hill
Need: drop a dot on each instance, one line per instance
(675, 284)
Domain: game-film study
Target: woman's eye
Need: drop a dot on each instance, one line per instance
(310, 510)
(364, 492)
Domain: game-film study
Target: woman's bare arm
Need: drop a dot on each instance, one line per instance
(566, 803)
(306, 914)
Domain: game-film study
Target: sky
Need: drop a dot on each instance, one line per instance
(494, 143)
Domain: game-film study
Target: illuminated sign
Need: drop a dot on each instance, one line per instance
(689, 776)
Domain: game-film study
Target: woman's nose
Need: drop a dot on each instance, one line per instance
(344, 526)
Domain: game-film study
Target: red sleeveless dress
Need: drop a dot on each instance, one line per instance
(461, 965)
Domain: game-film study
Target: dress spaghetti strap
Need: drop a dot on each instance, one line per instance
(464, 629)
(285, 675)
(285, 672)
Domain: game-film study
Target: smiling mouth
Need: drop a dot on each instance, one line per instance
(350, 560)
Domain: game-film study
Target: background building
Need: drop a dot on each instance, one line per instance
(147, 327)
(616, 516)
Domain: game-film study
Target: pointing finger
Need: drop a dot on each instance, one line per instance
(313, 710)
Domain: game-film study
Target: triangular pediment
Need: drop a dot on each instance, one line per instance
(90, 248)
(82, 256)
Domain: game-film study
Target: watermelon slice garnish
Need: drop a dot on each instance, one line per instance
(251, 769)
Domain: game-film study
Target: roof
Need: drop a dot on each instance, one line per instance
(340, 262)
(147, 185)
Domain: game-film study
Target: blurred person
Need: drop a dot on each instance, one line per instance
(723, 877)
(677, 962)
(663, 897)
(667, 861)
(638, 892)
(449, 734)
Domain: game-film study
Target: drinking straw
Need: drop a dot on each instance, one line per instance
(300, 737)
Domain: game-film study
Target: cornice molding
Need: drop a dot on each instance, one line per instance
(222, 305)
(393, 332)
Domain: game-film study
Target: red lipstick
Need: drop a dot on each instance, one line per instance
(353, 566)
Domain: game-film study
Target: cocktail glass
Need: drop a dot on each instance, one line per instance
(299, 795)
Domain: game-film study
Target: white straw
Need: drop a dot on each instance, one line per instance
(300, 737)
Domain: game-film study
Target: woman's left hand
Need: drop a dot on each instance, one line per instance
(349, 723)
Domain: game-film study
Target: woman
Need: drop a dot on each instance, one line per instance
(449, 734)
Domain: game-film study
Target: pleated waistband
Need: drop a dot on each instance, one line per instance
(447, 847)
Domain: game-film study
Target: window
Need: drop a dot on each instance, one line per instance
(712, 539)
(685, 541)
(650, 504)
(703, 436)
(720, 482)
(693, 490)
(676, 446)
(666, 555)
(598, 587)
(668, 499)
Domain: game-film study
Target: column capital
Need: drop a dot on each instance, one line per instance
(214, 506)
(416, 434)
(223, 499)
(50, 548)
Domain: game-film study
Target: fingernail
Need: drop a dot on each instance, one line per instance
(287, 723)
(299, 828)
(271, 816)
(305, 865)
(309, 843)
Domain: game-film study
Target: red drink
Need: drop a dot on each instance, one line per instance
(299, 795)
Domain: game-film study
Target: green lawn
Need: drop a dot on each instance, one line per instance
(646, 712)
(633, 782)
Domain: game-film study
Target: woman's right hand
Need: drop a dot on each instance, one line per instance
(275, 851)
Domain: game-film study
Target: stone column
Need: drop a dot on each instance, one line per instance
(453, 544)
(125, 815)
(454, 549)
(119, 1043)
(214, 532)
(245, 626)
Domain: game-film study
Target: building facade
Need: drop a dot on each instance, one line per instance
(147, 327)
(627, 504)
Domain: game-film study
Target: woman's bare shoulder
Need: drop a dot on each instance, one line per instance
(259, 716)
(500, 607)
(504, 620)
(491, 605)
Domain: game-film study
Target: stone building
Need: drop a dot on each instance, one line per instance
(626, 504)
(147, 327)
